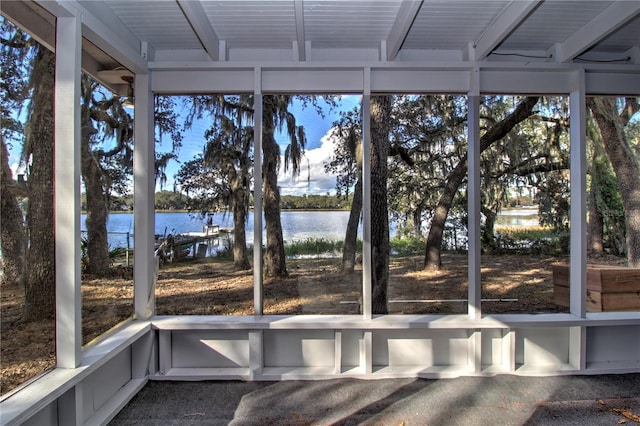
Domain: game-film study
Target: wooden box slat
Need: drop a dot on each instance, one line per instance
(609, 288)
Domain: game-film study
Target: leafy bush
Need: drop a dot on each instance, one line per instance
(532, 240)
(407, 246)
(313, 246)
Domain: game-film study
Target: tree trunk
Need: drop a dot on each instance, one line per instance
(274, 257)
(487, 236)
(416, 217)
(40, 276)
(240, 261)
(433, 248)
(595, 244)
(96, 221)
(351, 236)
(12, 235)
(433, 256)
(380, 127)
(625, 165)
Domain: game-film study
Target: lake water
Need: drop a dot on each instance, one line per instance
(296, 225)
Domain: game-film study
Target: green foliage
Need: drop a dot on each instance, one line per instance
(313, 246)
(553, 202)
(169, 200)
(407, 246)
(206, 187)
(532, 240)
(609, 204)
(314, 202)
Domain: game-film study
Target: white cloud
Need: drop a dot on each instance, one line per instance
(16, 169)
(312, 179)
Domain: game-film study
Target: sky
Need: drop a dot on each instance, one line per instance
(319, 148)
(318, 151)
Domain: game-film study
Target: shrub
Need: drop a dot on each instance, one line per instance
(407, 246)
(313, 246)
(532, 240)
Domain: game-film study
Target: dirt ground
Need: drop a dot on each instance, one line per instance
(511, 284)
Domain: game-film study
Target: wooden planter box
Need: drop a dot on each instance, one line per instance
(609, 288)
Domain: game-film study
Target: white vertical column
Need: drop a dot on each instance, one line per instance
(473, 196)
(67, 192)
(578, 166)
(143, 192)
(258, 293)
(70, 410)
(578, 219)
(366, 195)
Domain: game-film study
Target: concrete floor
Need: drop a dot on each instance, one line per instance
(499, 400)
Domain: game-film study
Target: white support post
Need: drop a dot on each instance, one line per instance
(143, 190)
(366, 352)
(256, 353)
(70, 407)
(509, 350)
(578, 232)
(165, 361)
(474, 359)
(578, 347)
(143, 361)
(258, 293)
(337, 355)
(473, 200)
(67, 192)
(366, 196)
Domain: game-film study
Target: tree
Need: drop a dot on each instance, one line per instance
(202, 184)
(166, 124)
(276, 116)
(228, 149)
(347, 165)
(39, 147)
(107, 159)
(14, 66)
(226, 161)
(535, 154)
(12, 230)
(494, 133)
(380, 128)
(611, 121)
(170, 200)
(427, 142)
(103, 118)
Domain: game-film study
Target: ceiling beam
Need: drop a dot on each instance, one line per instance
(609, 20)
(508, 20)
(102, 28)
(404, 19)
(194, 12)
(41, 29)
(300, 39)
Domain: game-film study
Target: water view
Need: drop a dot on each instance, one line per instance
(296, 225)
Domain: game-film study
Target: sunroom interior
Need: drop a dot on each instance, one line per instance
(575, 49)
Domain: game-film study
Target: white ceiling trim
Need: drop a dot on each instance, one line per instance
(404, 20)
(197, 18)
(507, 21)
(104, 29)
(40, 28)
(598, 28)
(547, 80)
(300, 38)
